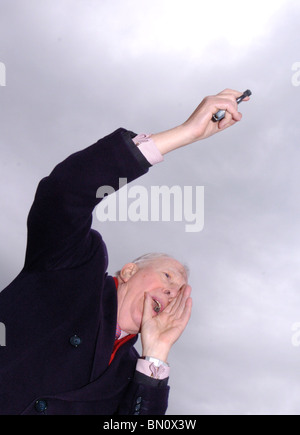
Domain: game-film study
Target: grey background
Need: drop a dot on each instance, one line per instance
(77, 70)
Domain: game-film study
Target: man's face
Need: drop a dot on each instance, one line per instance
(161, 278)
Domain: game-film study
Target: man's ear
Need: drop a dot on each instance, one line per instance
(128, 271)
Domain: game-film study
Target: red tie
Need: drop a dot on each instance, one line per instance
(119, 343)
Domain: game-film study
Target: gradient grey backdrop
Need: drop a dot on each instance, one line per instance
(77, 70)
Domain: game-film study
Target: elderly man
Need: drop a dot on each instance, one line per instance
(70, 327)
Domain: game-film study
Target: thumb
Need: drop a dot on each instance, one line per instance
(147, 312)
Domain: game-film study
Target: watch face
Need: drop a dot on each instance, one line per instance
(157, 362)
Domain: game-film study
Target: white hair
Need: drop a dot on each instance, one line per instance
(145, 259)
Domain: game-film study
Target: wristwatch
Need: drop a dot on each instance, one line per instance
(157, 362)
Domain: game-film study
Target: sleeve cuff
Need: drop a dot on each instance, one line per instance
(149, 369)
(148, 148)
(140, 378)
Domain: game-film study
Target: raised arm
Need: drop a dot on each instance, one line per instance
(59, 222)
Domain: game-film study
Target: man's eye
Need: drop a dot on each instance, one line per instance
(167, 275)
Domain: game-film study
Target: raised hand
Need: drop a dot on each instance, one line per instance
(200, 125)
(159, 332)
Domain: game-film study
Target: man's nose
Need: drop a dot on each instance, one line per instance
(172, 291)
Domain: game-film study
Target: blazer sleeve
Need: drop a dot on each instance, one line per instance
(145, 397)
(59, 222)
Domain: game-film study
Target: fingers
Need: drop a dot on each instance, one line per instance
(228, 121)
(179, 305)
(185, 306)
(147, 312)
(229, 105)
(231, 92)
(159, 332)
(232, 114)
(200, 125)
(182, 309)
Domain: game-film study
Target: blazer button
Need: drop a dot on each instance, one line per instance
(41, 405)
(75, 340)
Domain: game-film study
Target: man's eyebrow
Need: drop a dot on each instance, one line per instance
(178, 272)
(184, 275)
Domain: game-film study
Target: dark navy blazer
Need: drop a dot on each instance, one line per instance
(60, 312)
